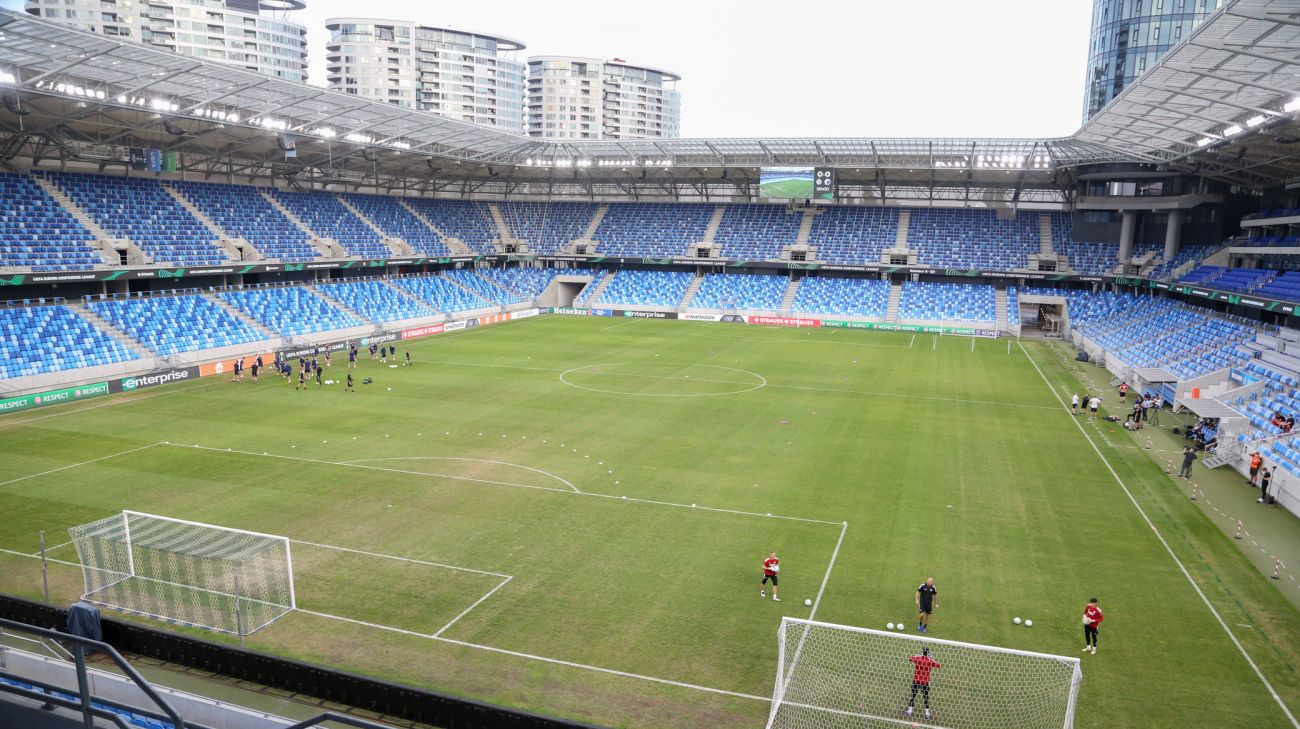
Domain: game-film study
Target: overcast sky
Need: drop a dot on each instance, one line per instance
(877, 68)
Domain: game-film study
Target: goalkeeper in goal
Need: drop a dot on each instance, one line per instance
(922, 666)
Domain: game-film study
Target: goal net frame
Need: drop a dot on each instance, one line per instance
(796, 640)
(217, 578)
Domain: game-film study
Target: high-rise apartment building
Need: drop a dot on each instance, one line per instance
(471, 77)
(252, 34)
(587, 98)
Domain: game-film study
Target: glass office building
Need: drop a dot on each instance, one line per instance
(1129, 36)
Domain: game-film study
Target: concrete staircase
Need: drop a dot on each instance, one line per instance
(895, 297)
(1045, 241)
(805, 227)
(1000, 308)
(503, 230)
(904, 221)
(468, 290)
(257, 326)
(229, 244)
(791, 291)
(600, 288)
(126, 340)
(403, 293)
(714, 222)
(104, 242)
(590, 232)
(323, 292)
(691, 290)
(328, 247)
(456, 246)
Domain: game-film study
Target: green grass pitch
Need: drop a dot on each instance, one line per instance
(793, 189)
(496, 469)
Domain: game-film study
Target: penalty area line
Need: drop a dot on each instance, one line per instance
(1213, 611)
(532, 657)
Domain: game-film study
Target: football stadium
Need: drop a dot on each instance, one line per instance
(318, 410)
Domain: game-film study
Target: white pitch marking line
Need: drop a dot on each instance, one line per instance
(51, 549)
(75, 465)
(474, 460)
(543, 659)
(476, 603)
(1260, 674)
(752, 387)
(516, 485)
(911, 341)
(817, 601)
(110, 402)
(399, 559)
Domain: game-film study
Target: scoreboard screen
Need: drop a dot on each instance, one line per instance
(824, 183)
(797, 183)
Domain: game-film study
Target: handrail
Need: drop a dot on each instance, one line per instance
(79, 654)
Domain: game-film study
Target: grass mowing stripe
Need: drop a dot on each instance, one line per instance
(1106, 462)
(75, 465)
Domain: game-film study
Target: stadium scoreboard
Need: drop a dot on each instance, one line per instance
(797, 183)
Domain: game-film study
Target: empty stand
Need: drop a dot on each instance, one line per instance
(929, 301)
(40, 339)
(464, 220)
(547, 227)
(140, 210)
(242, 212)
(842, 297)
(740, 291)
(756, 232)
(290, 311)
(328, 218)
(853, 235)
(171, 324)
(38, 233)
(440, 293)
(660, 230)
(979, 239)
(376, 301)
(388, 214)
(646, 288)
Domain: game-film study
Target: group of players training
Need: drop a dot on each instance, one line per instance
(309, 368)
(927, 599)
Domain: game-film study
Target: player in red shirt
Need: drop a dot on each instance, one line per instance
(771, 566)
(1092, 618)
(921, 680)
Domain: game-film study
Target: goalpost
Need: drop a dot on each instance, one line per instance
(841, 677)
(201, 575)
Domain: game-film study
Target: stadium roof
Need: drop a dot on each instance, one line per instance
(88, 97)
(1222, 102)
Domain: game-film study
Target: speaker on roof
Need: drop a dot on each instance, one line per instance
(172, 129)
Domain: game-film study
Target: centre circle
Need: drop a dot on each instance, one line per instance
(663, 379)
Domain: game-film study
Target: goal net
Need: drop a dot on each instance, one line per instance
(226, 580)
(840, 677)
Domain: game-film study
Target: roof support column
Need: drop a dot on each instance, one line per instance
(1128, 222)
(1173, 229)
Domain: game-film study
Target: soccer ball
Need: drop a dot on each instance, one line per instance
(890, 626)
(1029, 623)
(1016, 621)
(807, 603)
(899, 626)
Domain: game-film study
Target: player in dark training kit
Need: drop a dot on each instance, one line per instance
(349, 387)
(927, 596)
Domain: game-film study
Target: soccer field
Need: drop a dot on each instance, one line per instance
(568, 515)
(791, 188)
